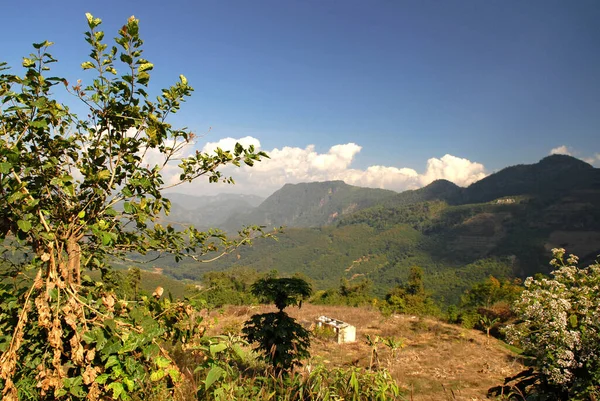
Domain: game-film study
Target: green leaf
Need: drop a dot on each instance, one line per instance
(573, 321)
(24, 225)
(239, 351)
(103, 175)
(145, 67)
(162, 362)
(106, 238)
(5, 168)
(27, 62)
(129, 383)
(39, 124)
(87, 65)
(117, 388)
(216, 348)
(41, 44)
(127, 207)
(112, 361)
(157, 375)
(174, 374)
(213, 375)
(102, 378)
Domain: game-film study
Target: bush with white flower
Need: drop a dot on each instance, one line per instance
(559, 326)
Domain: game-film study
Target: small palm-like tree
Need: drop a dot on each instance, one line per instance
(394, 344)
(372, 342)
(281, 341)
(487, 323)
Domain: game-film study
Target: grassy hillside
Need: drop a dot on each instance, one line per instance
(437, 361)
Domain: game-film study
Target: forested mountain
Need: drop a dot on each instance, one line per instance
(310, 205)
(504, 225)
(550, 177)
(208, 211)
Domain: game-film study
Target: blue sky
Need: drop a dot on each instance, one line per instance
(491, 82)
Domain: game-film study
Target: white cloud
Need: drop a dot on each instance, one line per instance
(594, 160)
(229, 143)
(561, 150)
(460, 171)
(295, 164)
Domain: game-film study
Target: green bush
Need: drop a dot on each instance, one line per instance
(560, 329)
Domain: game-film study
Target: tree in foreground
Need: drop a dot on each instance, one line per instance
(75, 191)
(560, 328)
(280, 339)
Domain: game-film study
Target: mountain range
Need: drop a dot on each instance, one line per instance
(503, 225)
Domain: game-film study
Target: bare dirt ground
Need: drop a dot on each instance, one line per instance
(439, 361)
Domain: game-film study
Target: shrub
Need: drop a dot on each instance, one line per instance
(560, 328)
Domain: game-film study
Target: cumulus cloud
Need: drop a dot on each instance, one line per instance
(229, 143)
(593, 160)
(561, 150)
(460, 171)
(296, 164)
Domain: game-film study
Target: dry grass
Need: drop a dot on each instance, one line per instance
(439, 361)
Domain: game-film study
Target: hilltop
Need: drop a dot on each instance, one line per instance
(309, 205)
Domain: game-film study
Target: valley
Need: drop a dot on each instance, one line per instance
(503, 225)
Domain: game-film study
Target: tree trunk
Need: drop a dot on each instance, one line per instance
(74, 261)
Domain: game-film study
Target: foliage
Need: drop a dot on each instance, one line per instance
(490, 292)
(102, 345)
(349, 294)
(394, 344)
(411, 298)
(488, 301)
(310, 204)
(231, 287)
(281, 341)
(320, 383)
(76, 190)
(560, 329)
(283, 292)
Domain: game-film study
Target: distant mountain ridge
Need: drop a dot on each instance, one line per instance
(552, 175)
(503, 225)
(208, 211)
(310, 204)
(318, 204)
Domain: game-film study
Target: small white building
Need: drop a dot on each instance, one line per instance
(345, 333)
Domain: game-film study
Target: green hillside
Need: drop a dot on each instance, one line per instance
(310, 205)
(528, 210)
